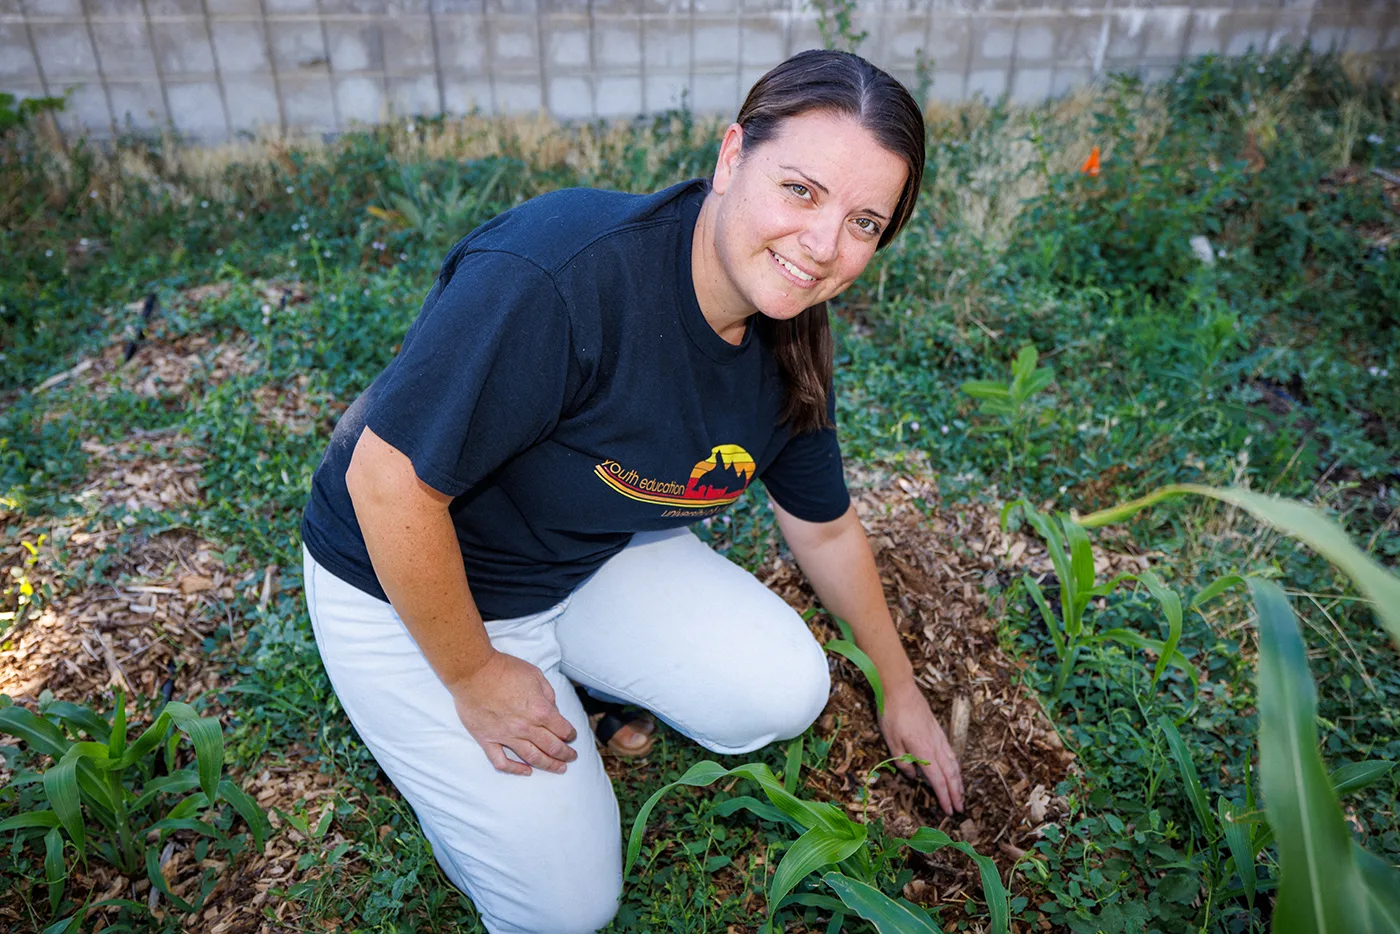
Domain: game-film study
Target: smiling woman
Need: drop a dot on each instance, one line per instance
(502, 514)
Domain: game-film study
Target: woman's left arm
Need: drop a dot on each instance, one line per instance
(837, 560)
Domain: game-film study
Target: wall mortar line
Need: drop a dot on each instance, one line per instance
(34, 50)
(101, 74)
(218, 70)
(330, 69)
(272, 67)
(155, 63)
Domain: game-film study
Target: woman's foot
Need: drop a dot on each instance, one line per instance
(623, 730)
(624, 738)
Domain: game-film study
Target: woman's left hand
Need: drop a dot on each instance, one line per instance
(910, 727)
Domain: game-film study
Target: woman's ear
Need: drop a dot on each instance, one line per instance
(730, 151)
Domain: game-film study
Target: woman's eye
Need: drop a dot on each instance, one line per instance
(867, 225)
(798, 189)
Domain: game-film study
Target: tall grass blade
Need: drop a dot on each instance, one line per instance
(1215, 589)
(816, 848)
(158, 880)
(888, 916)
(862, 661)
(792, 767)
(1237, 839)
(1304, 523)
(1187, 768)
(116, 742)
(1319, 885)
(926, 840)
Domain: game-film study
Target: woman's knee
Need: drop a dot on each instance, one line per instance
(556, 912)
(775, 700)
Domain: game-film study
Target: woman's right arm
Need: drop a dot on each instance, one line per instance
(503, 701)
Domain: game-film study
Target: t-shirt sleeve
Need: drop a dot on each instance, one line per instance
(483, 374)
(806, 478)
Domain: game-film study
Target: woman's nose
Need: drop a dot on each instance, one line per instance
(820, 239)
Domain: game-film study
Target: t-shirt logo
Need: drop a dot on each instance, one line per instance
(718, 480)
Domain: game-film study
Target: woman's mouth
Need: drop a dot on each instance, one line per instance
(792, 271)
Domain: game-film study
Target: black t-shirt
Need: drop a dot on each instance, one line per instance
(561, 383)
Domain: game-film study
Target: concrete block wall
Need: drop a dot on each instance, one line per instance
(216, 68)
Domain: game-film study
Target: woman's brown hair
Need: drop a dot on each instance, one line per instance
(842, 83)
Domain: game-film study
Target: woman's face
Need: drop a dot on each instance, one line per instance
(800, 216)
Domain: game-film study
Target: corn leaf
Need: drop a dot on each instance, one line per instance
(1348, 778)
(1304, 523)
(208, 739)
(1139, 641)
(749, 803)
(158, 880)
(149, 739)
(54, 871)
(249, 810)
(1051, 623)
(70, 924)
(1382, 885)
(80, 718)
(862, 661)
(1237, 839)
(1187, 769)
(37, 733)
(1171, 607)
(926, 840)
(1081, 555)
(888, 916)
(1320, 886)
(1215, 589)
(116, 742)
(176, 783)
(816, 848)
(30, 820)
(61, 788)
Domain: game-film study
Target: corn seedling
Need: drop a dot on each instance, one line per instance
(1327, 881)
(1072, 630)
(1013, 403)
(846, 647)
(831, 845)
(103, 797)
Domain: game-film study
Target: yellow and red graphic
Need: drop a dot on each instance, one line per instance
(718, 480)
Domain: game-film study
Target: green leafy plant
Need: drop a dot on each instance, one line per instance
(846, 647)
(1014, 403)
(15, 112)
(828, 838)
(434, 212)
(103, 797)
(836, 24)
(1327, 881)
(1072, 630)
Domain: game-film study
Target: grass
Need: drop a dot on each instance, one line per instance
(1277, 366)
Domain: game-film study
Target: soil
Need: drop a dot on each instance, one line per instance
(138, 610)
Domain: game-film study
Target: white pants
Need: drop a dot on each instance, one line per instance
(666, 624)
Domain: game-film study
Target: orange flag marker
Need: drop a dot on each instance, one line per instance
(1091, 164)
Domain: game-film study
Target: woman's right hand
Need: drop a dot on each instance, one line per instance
(507, 703)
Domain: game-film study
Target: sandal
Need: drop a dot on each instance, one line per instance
(623, 730)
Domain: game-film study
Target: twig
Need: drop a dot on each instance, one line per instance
(1388, 176)
(266, 596)
(114, 669)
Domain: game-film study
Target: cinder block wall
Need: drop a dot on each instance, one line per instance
(215, 68)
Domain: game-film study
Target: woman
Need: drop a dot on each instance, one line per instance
(505, 508)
